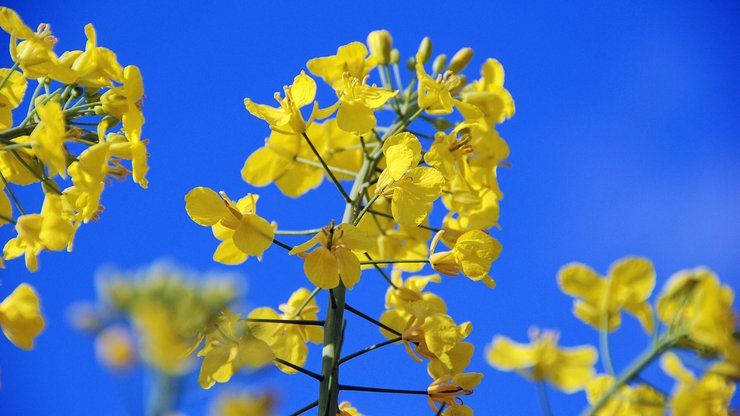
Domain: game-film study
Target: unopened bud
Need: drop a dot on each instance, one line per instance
(461, 60)
(425, 50)
(395, 56)
(380, 42)
(439, 63)
(411, 64)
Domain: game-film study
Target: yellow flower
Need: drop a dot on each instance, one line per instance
(349, 58)
(124, 103)
(48, 138)
(243, 403)
(334, 258)
(489, 94)
(358, 103)
(288, 341)
(278, 161)
(346, 409)
(708, 396)
(380, 44)
(228, 348)
(473, 253)
(114, 348)
(236, 224)
(20, 316)
(630, 282)
(447, 390)
(568, 369)
(49, 230)
(11, 95)
(694, 302)
(16, 171)
(433, 336)
(88, 176)
(411, 189)
(96, 67)
(410, 290)
(641, 400)
(35, 53)
(161, 345)
(459, 359)
(287, 118)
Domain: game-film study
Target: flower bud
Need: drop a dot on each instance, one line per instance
(461, 60)
(439, 64)
(379, 42)
(425, 50)
(411, 63)
(395, 56)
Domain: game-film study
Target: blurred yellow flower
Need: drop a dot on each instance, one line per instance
(568, 369)
(600, 300)
(694, 302)
(707, 396)
(641, 400)
(242, 404)
(11, 95)
(115, 349)
(20, 316)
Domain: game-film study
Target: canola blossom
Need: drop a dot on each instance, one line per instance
(412, 154)
(389, 183)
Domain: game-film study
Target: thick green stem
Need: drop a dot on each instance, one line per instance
(634, 370)
(333, 326)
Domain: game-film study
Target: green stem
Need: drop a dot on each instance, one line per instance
(321, 165)
(298, 232)
(383, 390)
(606, 357)
(365, 208)
(305, 408)
(299, 369)
(328, 172)
(634, 370)
(370, 348)
(543, 399)
(382, 272)
(8, 75)
(12, 195)
(394, 261)
(371, 320)
(307, 301)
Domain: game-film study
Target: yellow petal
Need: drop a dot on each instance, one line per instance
(635, 276)
(349, 266)
(303, 90)
(254, 235)
(322, 269)
(228, 253)
(507, 355)
(20, 316)
(205, 206)
(354, 117)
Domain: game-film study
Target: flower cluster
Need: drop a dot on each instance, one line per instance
(398, 175)
(153, 316)
(695, 314)
(69, 140)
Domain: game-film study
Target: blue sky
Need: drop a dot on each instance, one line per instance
(625, 141)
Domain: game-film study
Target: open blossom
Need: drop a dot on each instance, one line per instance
(630, 282)
(447, 390)
(288, 341)
(411, 188)
(333, 259)
(709, 395)
(287, 118)
(236, 224)
(472, 255)
(358, 102)
(351, 58)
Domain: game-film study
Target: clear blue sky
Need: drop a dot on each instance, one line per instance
(625, 141)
